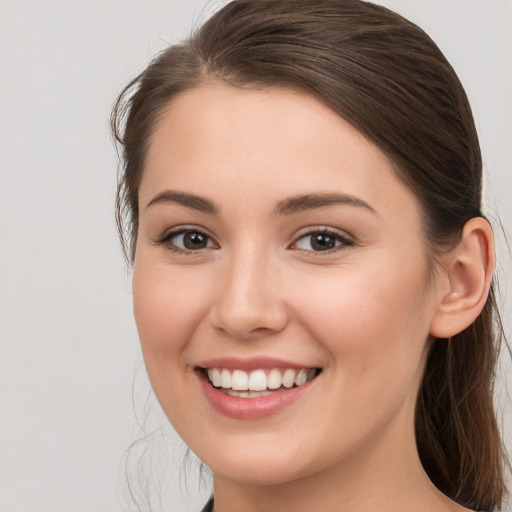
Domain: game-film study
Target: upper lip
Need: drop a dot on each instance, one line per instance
(253, 363)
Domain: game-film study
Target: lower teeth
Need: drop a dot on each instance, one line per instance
(245, 394)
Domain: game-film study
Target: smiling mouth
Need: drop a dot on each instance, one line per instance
(258, 383)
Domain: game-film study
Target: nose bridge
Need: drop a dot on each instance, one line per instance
(249, 301)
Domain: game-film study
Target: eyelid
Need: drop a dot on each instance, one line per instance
(341, 236)
(175, 231)
(346, 239)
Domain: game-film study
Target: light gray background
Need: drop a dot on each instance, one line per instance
(68, 344)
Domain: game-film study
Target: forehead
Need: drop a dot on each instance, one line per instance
(270, 143)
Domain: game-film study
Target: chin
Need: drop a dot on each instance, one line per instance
(262, 461)
(261, 471)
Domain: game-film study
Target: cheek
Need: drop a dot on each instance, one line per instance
(375, 330)
(167, 308)
(372, 321)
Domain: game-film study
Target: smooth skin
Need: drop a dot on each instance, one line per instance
(224, 269)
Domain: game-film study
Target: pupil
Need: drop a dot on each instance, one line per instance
(194, 240)
(322, 242)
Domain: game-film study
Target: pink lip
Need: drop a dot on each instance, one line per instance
(254, 363)
(250, 408)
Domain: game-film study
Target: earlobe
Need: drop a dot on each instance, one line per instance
(467, 272)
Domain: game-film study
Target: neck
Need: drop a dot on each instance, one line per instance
(387, 476)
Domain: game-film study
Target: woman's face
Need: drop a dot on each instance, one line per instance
(277, 247)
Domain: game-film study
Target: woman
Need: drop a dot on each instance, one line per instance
(312, 272)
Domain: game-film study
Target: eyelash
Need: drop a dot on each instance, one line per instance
(166, 238)
(342, 240)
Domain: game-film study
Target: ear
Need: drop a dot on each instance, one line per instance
(464, 280)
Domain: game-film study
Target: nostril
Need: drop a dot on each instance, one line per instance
(247, 306)
(243, 331)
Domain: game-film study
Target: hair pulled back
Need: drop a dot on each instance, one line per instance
(387, 78)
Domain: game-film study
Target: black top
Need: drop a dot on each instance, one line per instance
(209, 506)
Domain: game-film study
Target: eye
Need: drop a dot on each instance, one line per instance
(323, 240)
(186, 240)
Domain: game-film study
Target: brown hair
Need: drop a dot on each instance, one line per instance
(386, 77)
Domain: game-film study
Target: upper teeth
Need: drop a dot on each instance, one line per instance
(259, 380)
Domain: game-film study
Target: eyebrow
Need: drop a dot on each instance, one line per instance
(307, 202)
(192, 201)
(289, 206)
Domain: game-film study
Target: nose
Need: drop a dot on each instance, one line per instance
(249, 301)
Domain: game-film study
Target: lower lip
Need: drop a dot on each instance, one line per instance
(251, 408)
